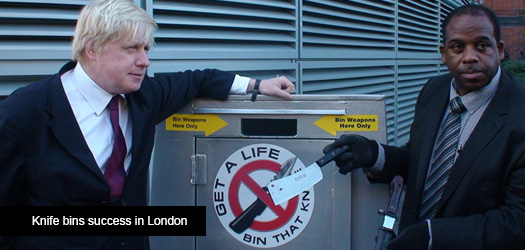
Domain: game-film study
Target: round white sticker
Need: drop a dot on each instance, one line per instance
(246, 210)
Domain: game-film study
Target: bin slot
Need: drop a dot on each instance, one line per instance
(269, 127)
(279, 111)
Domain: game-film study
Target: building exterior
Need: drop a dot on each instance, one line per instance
(511, 15)
(387, 47)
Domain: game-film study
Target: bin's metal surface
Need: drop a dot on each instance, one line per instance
(220, 155)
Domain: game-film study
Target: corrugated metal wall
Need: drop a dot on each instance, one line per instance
(325, 47)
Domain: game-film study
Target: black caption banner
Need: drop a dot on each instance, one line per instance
(103, 220)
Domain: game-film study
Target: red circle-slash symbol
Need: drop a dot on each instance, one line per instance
(242, 177)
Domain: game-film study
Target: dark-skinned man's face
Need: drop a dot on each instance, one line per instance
(471, 52)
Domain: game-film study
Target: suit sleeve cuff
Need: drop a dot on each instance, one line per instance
(429, 224)
(240, 85)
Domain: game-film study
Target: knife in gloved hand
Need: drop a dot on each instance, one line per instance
(386, 231)
(288, 187)
(245, 219)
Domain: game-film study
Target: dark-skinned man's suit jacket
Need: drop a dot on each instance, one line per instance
(483, 205)
(45, 161)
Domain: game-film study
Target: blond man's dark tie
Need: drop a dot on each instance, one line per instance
(115, 173)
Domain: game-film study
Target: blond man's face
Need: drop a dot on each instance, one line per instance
(120, 66)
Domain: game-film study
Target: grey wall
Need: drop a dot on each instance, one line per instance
(325, 47)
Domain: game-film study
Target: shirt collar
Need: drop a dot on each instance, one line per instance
(95, 96)
(475, 99)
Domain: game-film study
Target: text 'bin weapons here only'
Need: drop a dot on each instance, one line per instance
(245, 219)
(290, 186)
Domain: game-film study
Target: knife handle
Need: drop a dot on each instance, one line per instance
(328, 157)
(245, 220)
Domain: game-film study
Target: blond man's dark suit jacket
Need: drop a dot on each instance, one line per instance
(44, 159)
(483, 205)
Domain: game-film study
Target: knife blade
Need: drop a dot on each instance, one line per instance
(288, 187)
(386, 232)
(245, 219)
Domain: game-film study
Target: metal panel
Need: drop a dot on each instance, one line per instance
(225, 29)
(418, 29)
(347, 29)
(37, 29)
(35, 39)
(342, 45)
(261, 69)
(343, 218)
(347, 77)
(412, 75)
(353, 77)
(325, 228)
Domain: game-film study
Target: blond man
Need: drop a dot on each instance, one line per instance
(60, 145)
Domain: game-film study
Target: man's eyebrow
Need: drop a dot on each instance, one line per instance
(455, 40)
(485, 38)
(478, 38)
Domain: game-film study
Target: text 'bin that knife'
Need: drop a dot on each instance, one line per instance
(290, 186)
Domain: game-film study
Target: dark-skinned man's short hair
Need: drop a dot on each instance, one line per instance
(472, 10)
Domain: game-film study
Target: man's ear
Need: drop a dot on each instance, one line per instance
(501, 50)
(442, 51)
(89, 50)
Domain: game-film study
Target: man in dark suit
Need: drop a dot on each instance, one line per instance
(57, 136)
(481, 204)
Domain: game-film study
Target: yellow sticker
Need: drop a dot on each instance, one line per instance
(334, 123)
(209, 123)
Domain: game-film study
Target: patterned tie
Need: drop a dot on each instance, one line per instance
(442, 160)
(115, 172)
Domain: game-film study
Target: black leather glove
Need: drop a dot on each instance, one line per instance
(414, 237)
(362, 153)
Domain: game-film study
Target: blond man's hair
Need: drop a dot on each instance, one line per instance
(103, 21)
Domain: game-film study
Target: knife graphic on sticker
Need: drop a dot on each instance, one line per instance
(245, 219)
(288, 187)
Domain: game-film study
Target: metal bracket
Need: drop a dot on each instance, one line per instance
(199, 168)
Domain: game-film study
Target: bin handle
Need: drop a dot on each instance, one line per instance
(269, 111)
